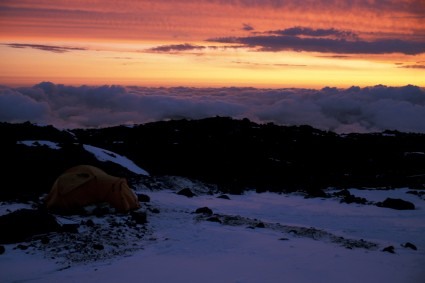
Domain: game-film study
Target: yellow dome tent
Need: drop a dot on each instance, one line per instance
(84, 185)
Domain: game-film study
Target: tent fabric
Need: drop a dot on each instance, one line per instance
(84, 185)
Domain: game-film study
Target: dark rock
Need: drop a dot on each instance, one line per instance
(224, 197)
(139, 217)
(342, 193)
(2, 250)
(389, 249)
(260, 225)
(283, 239)
(353, 199)
(24, 223)
(98, 247)
(204, 210)
(214, 219)
(89, 223)
(315, 193)
(143, 198)
(70, 228)
(154, 210)
(410, 246)
(186, 192)
(22, 247)
(45, 240)
(398, 204)
(101, 211)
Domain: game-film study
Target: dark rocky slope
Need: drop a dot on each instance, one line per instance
(235, 154)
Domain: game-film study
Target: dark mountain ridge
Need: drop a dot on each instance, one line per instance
(234, 154)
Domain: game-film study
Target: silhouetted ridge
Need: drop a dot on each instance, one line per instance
(239, 154)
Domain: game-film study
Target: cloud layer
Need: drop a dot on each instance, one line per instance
(354, 109)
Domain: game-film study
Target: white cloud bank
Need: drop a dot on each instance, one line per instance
(353, 109)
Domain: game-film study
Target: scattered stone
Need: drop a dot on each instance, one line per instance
(224, 197)
(315, 193)
(342, 193)
(45, 240)
(139, 217)
(389, 249)
(204, 210)
(154, 210)
(22, 247)
(260, 225)
(70, 228)
(186, 192)
(214, 219)
(22, 224)
(410, 246)
(398, 204)
(98, 247)
(353, 199)
(89, 223)
(101, 211)
(311, 232)
(143, 198)
(2, 250)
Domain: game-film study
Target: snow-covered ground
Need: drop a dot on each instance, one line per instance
(299, 240)
(185, 248)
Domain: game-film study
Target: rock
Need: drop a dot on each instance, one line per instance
(353, 199)
(89, 223)
(101, 211)
(398, 204)
(154, 210)
(410, 246)
(2, 250)
(342, 193)
(24, 223)
(45, 240)
(214, 219)
(260, 225)
(315, 193)
(389, 249)
(143, 198)
(22, 247)
(224, 197)
(70, 228)
(186, 192)
(139, 217)
(204, 210)
(98, 247)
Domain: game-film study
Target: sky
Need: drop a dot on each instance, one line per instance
(213, 43)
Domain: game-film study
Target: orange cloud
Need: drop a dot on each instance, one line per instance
(197, 20)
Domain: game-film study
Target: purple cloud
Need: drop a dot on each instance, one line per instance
(50, 48)
(416, 66)
(305, 31)
(247, 27)
(324, 41)
(176, 48)
(354, 109)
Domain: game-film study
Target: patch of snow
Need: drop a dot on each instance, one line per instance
(410, 153)
(183, 249)
(50, 144)
(106, 155)
(8, 207)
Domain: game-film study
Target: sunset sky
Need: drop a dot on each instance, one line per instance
(203, 43)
